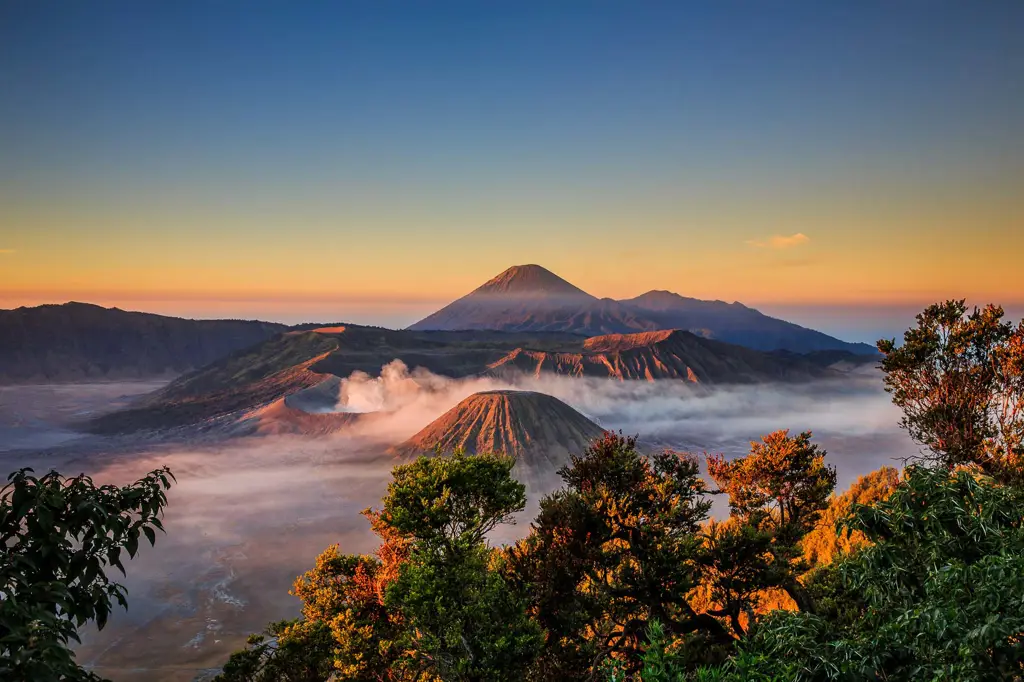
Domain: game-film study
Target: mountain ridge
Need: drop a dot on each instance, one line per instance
(59, 343)
(86, 342)
(294, 361)
(553, 304)
(663, 354)
(531, 298)
(737, 324)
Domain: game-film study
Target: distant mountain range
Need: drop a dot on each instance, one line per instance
(83, 342)
(526, 307)
(531, 298)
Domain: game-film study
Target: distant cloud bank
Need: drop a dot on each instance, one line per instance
(781, 241)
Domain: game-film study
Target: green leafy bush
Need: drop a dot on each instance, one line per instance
(942, 590)
(59, 535)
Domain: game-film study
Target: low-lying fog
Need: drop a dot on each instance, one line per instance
(250, 514)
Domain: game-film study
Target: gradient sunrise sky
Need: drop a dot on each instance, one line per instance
(370, 161)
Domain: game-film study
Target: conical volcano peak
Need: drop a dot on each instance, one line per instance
(538, 429)
(532, 298)
(530, 280)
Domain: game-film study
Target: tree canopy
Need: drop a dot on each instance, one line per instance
(959, 379)
(430, 604)
(616, 546)
(776, 495)
(939, 592)
(59, 536)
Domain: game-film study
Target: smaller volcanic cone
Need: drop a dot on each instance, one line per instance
(537, 429)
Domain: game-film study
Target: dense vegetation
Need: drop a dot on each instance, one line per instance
(623, 575)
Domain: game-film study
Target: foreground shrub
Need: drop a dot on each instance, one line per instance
(59, 536)
(941, 591)
(430, 604)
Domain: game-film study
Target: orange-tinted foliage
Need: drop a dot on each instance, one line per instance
(782, 484)
(823, 544)
(348, 593)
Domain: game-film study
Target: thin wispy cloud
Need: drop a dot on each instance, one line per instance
(4, 252)
(781, 241)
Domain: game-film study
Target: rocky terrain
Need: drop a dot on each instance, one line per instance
(238, 376)
(539, 430)
(289, 365)
(243, 381)
(666, 354)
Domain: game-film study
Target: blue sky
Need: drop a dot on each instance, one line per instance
(396, 153)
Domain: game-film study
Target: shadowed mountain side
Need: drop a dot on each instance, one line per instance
(539, 430)
(841, 360)
(586, 317)
(294, 361)
(83, 342)
(454, 354)
(530, 298)
(667, 354)
(735, 323)
(245, 380)
(292, 364)
(484, 338)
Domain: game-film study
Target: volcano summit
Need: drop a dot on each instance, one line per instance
(539, 430)
(529, 298)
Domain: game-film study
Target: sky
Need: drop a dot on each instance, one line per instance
(840, 163)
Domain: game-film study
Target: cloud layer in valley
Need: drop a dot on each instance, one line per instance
(851, 416)
(250, 514)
